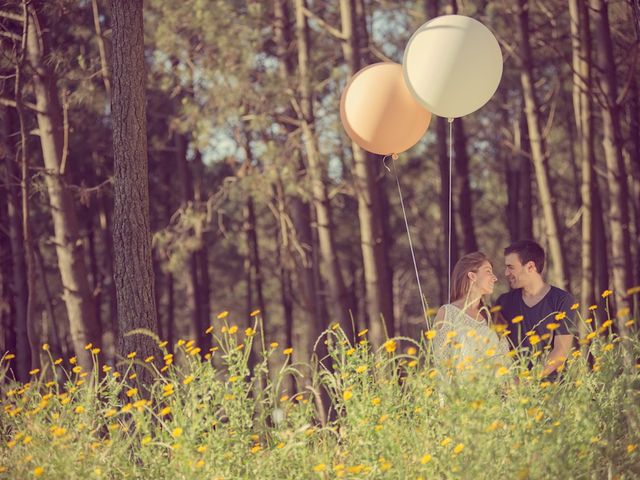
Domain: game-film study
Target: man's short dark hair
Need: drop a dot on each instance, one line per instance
(527, 251)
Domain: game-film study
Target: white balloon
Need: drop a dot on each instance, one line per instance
(452, 65)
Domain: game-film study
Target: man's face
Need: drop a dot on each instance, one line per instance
(514, 271)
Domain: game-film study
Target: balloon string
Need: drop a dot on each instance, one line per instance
(450, 204)
(406, 223)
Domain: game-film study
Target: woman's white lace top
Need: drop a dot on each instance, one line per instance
(462, 342)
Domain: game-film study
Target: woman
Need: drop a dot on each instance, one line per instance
(464, 337)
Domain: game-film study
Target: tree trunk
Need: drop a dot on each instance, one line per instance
(465, 205)
(377, 273)
(77, 295)
(299, 209)
(634, 167)
(539, 151)
(616, 171)
(17, 338)
(583, 111)
(332, 274)
(133, 269)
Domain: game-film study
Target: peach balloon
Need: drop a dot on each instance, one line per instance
(379, 112)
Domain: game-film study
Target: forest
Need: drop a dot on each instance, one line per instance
(174, 171)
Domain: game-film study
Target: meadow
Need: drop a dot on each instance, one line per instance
(354, 413)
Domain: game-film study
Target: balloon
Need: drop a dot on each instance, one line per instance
(452, 65)
(378, 111)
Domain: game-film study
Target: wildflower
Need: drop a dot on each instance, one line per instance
(9, 356)
(131, 392)
(495, 308)
(209, 329)
(110, 413)
(79, 409)
(351, 351)
(256, 448)
(633, 290)
(458, 448)
(335, 326)
(140, 404)
(163, 344)
(576, 354)
(607, 324)
(607, 347)
(411, 351)
(517, 319)
(126, 408)
(106, 368)
(195, 351)
(412, 363)
(631, 447)
(76, 369)
(45, 347)
(146, 440)
(606, 293)
(38, 471)
(390, 346)
(502, 371)
(165, 411)
(321, 467)
(88, 346)
(560, 316)
(58, 431)
(149, 359)
(552, 326)
(347, 395)
(95, 351)
(426, 458)
(249, 332)
(176, 432)
(58, 361)
(445, 442)
(288, 351)
(35, 371)
(131, 355)
(273, 345)
(233, 329)
(201, 449)
(255, 313)
(451, 334)
(534, 339)
(362, 333)
(494, 426)
(430, 334)
(361, 369)
(222, 315)
(375, 401)
(629, 323)
(593, 307)
(490, 352)
(575, 306)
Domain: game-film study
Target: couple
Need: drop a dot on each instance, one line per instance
(532, 311)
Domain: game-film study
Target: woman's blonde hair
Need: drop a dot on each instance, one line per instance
(460, 281)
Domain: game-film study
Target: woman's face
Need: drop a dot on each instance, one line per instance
(484, 279)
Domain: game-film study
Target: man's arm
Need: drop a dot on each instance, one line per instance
(561, 348)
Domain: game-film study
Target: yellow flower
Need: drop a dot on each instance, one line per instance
(76, 369)
(149, 359)
(411, 351)
(88, 346)
(188, 379)
(233, 329)
(390, 346)
(45, 347)
(38, 471)
(165, 411)
(534, 339)
(607, 347)
(576, 354)
(426, 458)
(575, 306)
(375, 401)
(361, 369)
(255, 313)
(335, 326)
(430, 334)
(131, 355)
(274, 345)
(73, 360)
(58, 431)
(412, 363)
(145, 440)
(163, 344)
(593, 307)
(131, 392)
(249, 332)
(445, 442)
(321, 467)
(517, 319)
(607, 323)
(288, 351)
(106, 368)
(552, 326)
(95, 351)
(458, 448)
(490, 352)
(58, 361)
(256, 448)
(9, 356)
(233, 378)
(201, 449)
(79, 409)
(222, 315)
(561, 316)
(35, 371)
(606, 293)
(209, 329)
(347, 395)
(362, 333)
(633, 290)
(502, 371)
(284, 398)
(351, 351)
(176, 432)
(631, 447)
(451, 334)
(495, 308)
(110, 413)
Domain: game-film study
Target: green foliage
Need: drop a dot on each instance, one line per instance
(392, 414)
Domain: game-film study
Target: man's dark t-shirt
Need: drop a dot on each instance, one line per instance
(536, 318)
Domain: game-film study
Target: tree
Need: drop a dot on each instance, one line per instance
(133, 269)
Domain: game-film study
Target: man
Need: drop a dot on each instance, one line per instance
(536, 313)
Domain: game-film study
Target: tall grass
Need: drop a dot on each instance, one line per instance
(391, 413)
